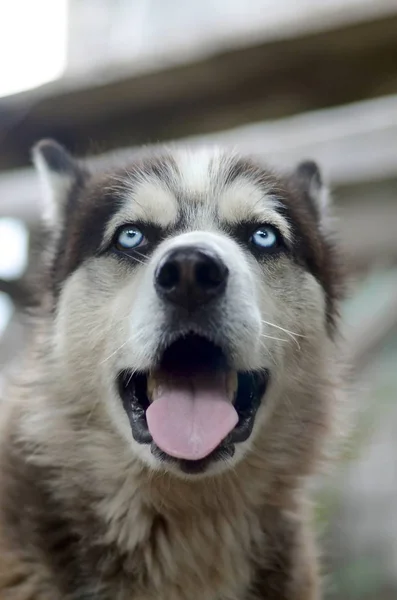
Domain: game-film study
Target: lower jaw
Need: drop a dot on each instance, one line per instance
(194, 467)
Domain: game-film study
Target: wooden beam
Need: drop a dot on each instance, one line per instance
(271, 79)
(343, 140)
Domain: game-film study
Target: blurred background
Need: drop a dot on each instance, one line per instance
(284, 80)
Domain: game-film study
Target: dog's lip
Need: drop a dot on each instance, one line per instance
(251, 388)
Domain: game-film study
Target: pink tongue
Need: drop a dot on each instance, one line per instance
(190, 416)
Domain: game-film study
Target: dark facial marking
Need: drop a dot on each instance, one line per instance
(89, 211)
(90, 206)
(243, 232)
(310, 248)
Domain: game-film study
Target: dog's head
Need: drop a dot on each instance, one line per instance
(193, 291)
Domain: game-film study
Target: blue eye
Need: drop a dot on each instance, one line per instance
(265, 237)
(129, 237)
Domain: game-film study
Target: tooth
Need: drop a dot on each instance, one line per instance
(231, 385)
(151, 386)
(155, 380)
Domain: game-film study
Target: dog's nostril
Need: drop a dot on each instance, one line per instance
(210, 274)
(190, 276)
(168, 276)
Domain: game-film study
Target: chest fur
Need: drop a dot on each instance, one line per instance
(206, 554)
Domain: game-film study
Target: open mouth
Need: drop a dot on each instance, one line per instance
(193, 408)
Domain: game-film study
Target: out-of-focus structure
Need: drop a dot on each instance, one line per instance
(286, 81)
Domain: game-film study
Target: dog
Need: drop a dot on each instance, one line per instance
(180, 385)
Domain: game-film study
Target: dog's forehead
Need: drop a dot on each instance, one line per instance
(201, 187)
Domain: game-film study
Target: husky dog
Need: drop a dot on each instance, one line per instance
(180, 385)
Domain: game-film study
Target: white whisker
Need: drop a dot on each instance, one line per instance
(283, 329)
(130, 377)
(141, 262)
(270, 337)
(142, 255)
(292, 334)
(115, 352)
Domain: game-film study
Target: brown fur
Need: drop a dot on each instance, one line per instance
(244, 529)
(81, 518)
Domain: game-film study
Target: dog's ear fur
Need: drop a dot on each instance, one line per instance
(308, 177)
(60, 176)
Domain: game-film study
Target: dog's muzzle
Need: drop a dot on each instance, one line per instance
(192, 406)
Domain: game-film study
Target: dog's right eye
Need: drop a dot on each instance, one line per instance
(129, 237)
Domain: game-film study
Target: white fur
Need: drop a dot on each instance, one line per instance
(197, 169)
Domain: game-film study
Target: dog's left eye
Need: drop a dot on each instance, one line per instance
(266, 237)
(129, 237)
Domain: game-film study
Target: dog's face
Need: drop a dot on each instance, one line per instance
(190, 288)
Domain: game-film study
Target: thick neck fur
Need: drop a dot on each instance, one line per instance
(171, 537)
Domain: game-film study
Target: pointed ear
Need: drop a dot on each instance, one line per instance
(309, 179)
(60, 176)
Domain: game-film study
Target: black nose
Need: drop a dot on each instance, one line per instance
(190, 276)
